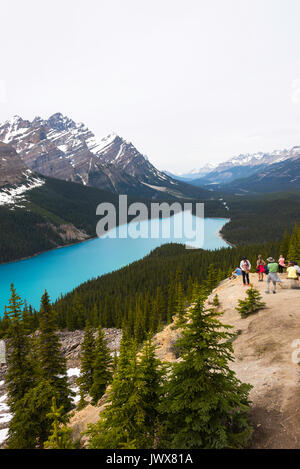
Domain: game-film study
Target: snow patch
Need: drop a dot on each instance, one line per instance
(5, 418)
(3, 435)
(13, 195)
(73, 372)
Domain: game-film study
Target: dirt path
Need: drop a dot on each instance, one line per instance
(265, 355)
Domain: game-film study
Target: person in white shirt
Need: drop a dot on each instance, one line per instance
(245, 267)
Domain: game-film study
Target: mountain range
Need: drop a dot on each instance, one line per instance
(258, 172)
(60, 148)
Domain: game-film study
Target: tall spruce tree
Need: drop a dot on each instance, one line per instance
(87, 359)
(21, 374)
(294, 245)
(102, 372)
(180, 305)
(211, 279)
(148, 395)
(51, 359)
(61, 434)
(205, 405)
(131, 419)
(116, 427)
(284, 245)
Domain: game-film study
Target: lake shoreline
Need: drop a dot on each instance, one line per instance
(219, 234)
(61, 271)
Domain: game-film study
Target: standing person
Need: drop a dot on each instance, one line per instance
(281, 264)
(273, 276)
(260, 268)
(245, 267)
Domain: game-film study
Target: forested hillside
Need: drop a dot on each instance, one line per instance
(260, 219)
(145, 294)
(56, 214)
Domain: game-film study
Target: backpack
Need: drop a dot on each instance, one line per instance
(266, 269)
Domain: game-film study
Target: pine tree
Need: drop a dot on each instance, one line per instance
(180, 305)
(34, 418)
(220, 276)
(87, 358)
(211, 279)
(294, 246)
(148, 395)
(131, 419)
(102, 372)
(205, 405)
(216, 301)
(61, 435)
(5, 323)
(284, 245)
(189, 291)
(251, 304)
(27, 320)
(21, 373)
(51, 358)
(116, 426)
(78, 312)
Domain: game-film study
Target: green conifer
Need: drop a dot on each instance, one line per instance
(284, 245)
(51, 359)
(102, 372)
(131, 422)
(205, 405)
(87, 359)
(116, 426)
(61, 435)
(21, 373)
(294, 246)
(251, 304)
(216, 301)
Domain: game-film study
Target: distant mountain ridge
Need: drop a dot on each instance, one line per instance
(246, 165)
(60, 148)
(195, 173)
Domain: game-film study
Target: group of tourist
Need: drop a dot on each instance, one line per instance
(270, 267)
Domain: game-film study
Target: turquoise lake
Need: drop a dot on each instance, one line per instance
(61, 270)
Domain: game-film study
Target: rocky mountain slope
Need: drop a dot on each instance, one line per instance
(60, 148)
(15, 178)
(281, 176)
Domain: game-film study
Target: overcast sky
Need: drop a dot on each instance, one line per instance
(187, 81)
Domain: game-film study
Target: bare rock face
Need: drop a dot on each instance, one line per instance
(12, 168)
(60, 148)
(71, 343)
